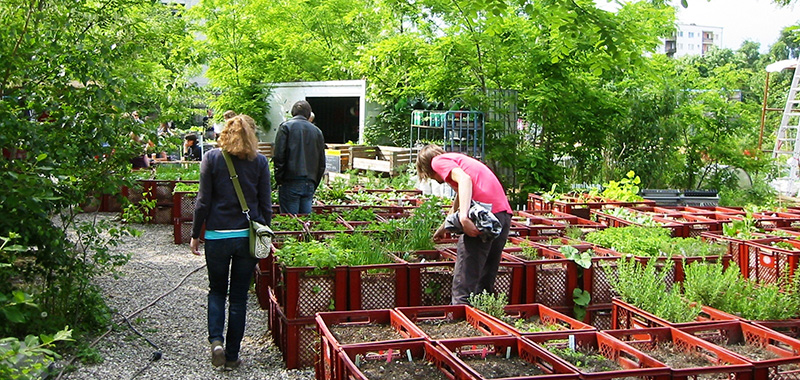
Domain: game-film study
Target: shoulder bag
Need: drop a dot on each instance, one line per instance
(260, 234)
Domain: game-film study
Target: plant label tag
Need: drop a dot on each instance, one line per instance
(571, 342)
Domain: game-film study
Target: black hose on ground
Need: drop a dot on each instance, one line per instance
(156, 354)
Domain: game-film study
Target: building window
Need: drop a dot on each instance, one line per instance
(691, 46)
(680, 34)
(691, 34)
(680, 46)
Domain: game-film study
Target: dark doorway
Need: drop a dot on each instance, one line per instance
(336, 117)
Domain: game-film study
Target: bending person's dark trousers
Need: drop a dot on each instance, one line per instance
(477, 263)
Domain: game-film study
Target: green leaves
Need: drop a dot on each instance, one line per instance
(583, 259)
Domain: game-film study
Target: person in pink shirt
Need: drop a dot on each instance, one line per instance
(477, 261)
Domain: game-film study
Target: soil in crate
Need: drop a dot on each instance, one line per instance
(587, 360)
(532, 324)
(351, 334)
(756, 353)
(447, 329)
(673, 357)
(401, 369)
(496, 366)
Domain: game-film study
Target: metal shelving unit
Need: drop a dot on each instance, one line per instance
(458, 131)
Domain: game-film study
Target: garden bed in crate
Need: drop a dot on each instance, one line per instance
(398, 360)
(436, 323)
(773, 355)
(687, 356)
(355, 328)
(627, 316)
(505, 357)
(595, 355)
(539, 319)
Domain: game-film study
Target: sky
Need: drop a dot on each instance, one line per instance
(756, 20)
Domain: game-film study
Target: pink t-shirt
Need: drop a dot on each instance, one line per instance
(486, 187)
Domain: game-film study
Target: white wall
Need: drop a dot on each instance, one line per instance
(284, 95)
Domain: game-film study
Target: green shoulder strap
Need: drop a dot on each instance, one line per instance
(236, 185)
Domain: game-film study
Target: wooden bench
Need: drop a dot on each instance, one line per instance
(265, 148)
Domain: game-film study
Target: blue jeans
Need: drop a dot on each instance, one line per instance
(223, 257)
(295, 196)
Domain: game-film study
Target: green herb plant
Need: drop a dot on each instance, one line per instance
(492, 304)
(725, 289)
(646, 287)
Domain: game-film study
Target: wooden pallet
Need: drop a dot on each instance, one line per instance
(387, 159)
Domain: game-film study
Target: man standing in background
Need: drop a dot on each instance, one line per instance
(299, 160)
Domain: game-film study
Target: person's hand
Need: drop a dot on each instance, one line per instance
(439, 234)
(194, 245)
(469, 227)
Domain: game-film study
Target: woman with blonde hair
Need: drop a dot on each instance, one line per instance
(478, 258)
(227, 249)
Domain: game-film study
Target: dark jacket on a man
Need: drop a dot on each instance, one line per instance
(299, 151)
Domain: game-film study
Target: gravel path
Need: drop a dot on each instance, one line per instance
(176, 323)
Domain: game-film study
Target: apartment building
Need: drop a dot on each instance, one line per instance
(691, 39)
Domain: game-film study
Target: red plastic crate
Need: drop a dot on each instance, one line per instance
(743, 333)
(599, 316)
(182, 231)
(430, 278)
(485, 324)
(504, 347)
(539, 226)
(381, 286)
(549, 281)
(329, 364)
(688, 226)
(739, 249)
(262, 282)
(183, 203)
(160, 190)
(723, 363)
(767, 263)
(627, 316)
(547, 316)
(392, 351)
(537, 202)
(302, 295)
(635, 364)
(298, 340)
(790, 328)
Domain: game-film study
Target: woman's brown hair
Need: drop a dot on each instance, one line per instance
(424, 158)
(239, 137)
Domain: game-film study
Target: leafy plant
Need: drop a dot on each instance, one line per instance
(640, 241)
(29, 359)
(492, 304)
(583, 259)
(626, 190)
(139, 212)
(186, 187)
